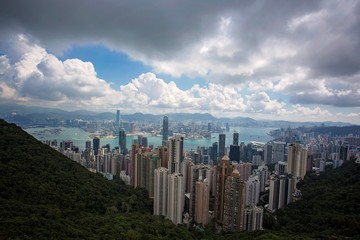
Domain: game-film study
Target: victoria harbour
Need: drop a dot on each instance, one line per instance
(78, 136)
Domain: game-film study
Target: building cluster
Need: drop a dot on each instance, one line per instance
(224, 183)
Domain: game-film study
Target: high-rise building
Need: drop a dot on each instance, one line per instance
(160, 191)
(165, 130)
(253, 218)
(202, 193)
(278, 151)
(88, 145)
(222, 152)
(122, 141)
(224, 169)
(234, 203)
(280, 168)
(262, 173)
(280, 192)
(234, 153)
(198, 171)
(244, 169)
(235, 139)
(176, 198)
(135, 165)
(268, 153)
(252, 191)
(297, 160)
(214, 154)
(96, 145)
(176, 154)
(117, 121)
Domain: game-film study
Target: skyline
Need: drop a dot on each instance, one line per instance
(265, 60)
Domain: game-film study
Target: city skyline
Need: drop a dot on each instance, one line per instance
(276, 60)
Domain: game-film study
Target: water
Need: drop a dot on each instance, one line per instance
(79, 136)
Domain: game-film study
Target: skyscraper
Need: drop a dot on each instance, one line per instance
(214, 154)
(221, 145)
(234, 153)
(175, 197)
(117, 121)
(202, 193)
(234, 203)
(160, 191)
(176, 153)
(235, 138)
(224, 169)
(165, 131)
(122, 141)
(96, 145)
(253, 218)
(297, 160)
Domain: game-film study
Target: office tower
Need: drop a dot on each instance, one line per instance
(253, 218)
(209, 127)
(278, 151)
(234, 153)
(268, 153)
(175, 199)
(224, 169)
(214, 154)
(202, 193)
(176, 153)
(160, 191)
(297, 160)
(221, 145)
(117, 121)
(235, 139)
(252, 191)
(280, 192)
(196, 172)
(234, 203)
(96, 145)
(122, 141)
(144, 142)
(165, 131)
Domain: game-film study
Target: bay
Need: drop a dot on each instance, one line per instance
(78, 136)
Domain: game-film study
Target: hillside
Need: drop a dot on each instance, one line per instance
(44, 195)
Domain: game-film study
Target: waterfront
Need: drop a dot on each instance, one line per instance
(79, 136)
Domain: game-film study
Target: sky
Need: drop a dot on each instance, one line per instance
(276, 60)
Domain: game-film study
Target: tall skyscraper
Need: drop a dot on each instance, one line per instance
(224, 169)
(88, 145)
(297, 160)
(214, 153)
(160, 191)
(176, 153)
(252, 191)
(280, 192)
(175, 199)
(198, 171)
(117, 121)
(202, 193)
(235, 138)
(222, 137)
(165, 131)
(268, 153)
(234, 203)
(278, 151)
(234, 153)
(122, 141)
(96, 145)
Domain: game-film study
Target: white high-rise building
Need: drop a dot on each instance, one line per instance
(253, 218)
(252, 191)
(297, 160)
(176, 154)
(160, 191)
(175, 197)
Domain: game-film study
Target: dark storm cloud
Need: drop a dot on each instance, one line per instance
(227, 42)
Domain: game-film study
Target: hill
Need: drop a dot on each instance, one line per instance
(45, 195)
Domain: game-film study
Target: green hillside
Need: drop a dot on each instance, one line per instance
(44, 195)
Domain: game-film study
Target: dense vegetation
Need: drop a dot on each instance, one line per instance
(45, 195)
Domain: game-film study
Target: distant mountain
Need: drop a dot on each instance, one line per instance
(27, 116)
